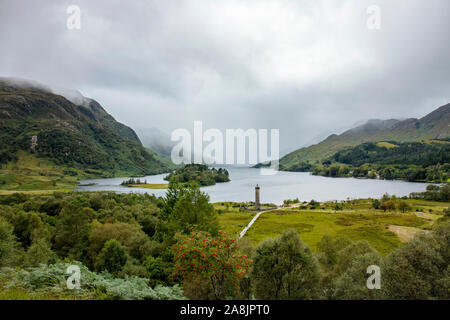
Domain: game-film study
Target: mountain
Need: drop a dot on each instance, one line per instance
(435, 125)
(156, 139)
(74, 132)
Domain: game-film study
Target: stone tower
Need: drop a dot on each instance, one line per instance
(257, 204)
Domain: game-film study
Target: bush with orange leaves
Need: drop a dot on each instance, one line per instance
(216, 262)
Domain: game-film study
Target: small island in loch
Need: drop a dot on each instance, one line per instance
(198, 173)
(138, 183)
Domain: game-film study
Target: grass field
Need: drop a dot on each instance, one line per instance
(356, 221)
(32, 173)
(387, 145)
(235, 222)
(21, 294)
(150, 186)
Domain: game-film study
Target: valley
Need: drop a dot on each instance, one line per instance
(238, 159)
(79, 190)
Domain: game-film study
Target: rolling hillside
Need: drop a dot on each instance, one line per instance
(425, 161)
(435, 125)
(81, 138)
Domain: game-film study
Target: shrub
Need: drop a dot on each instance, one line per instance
(376, 204)
(51, 279)
(403, 206)
(419, 269)
(112, 258)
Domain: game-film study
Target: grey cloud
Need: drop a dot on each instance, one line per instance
(307, 67)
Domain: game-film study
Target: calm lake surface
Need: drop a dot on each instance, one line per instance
(275, 188)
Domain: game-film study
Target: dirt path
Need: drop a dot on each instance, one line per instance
(295, 205)
(406, 234)
(253, 221)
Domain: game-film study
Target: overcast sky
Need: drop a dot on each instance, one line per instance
(309, 68)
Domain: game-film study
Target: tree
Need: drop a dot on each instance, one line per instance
(419, 269)
(39, 252)
(387, 205)
(26, 224)
(112, 258)
(52, 207)
(352, 283)
(128, 235)
(72, 231)
(247, 248)
(11, 253)
(386, 197)
(445, 192)
(158, 270)
(403, 206)
(344, 278)
(447, 212)
(376, 204)
(343, 171)
(384, 206)
(348, 254)
(434, 193)
(334, 170)
(173, 193)
(185, 208)
(198, 173)
(201, 258)
(285, 268)
(147, 217)
(328, 249)
(372, 174)
(313, 203)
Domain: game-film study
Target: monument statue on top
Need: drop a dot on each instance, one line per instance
(257, 204)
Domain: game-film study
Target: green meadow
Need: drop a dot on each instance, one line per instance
(31, 173)
(356, 221)
(150, 186)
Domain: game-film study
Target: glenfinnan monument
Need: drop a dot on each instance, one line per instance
(257, 205)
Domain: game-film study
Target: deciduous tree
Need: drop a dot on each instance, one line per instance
(285, 268)
(199, 257)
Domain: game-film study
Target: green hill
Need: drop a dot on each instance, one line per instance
(73, 139)
(435, 125)
(427, 153)
(426, 161)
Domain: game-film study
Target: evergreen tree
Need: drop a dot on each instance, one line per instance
(11, 253)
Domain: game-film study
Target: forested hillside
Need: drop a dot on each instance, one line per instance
(38, 123)
(412, 161)
(418, 153)
(435, 125)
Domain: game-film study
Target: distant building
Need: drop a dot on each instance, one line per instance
(257, 204)
(33, 143)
